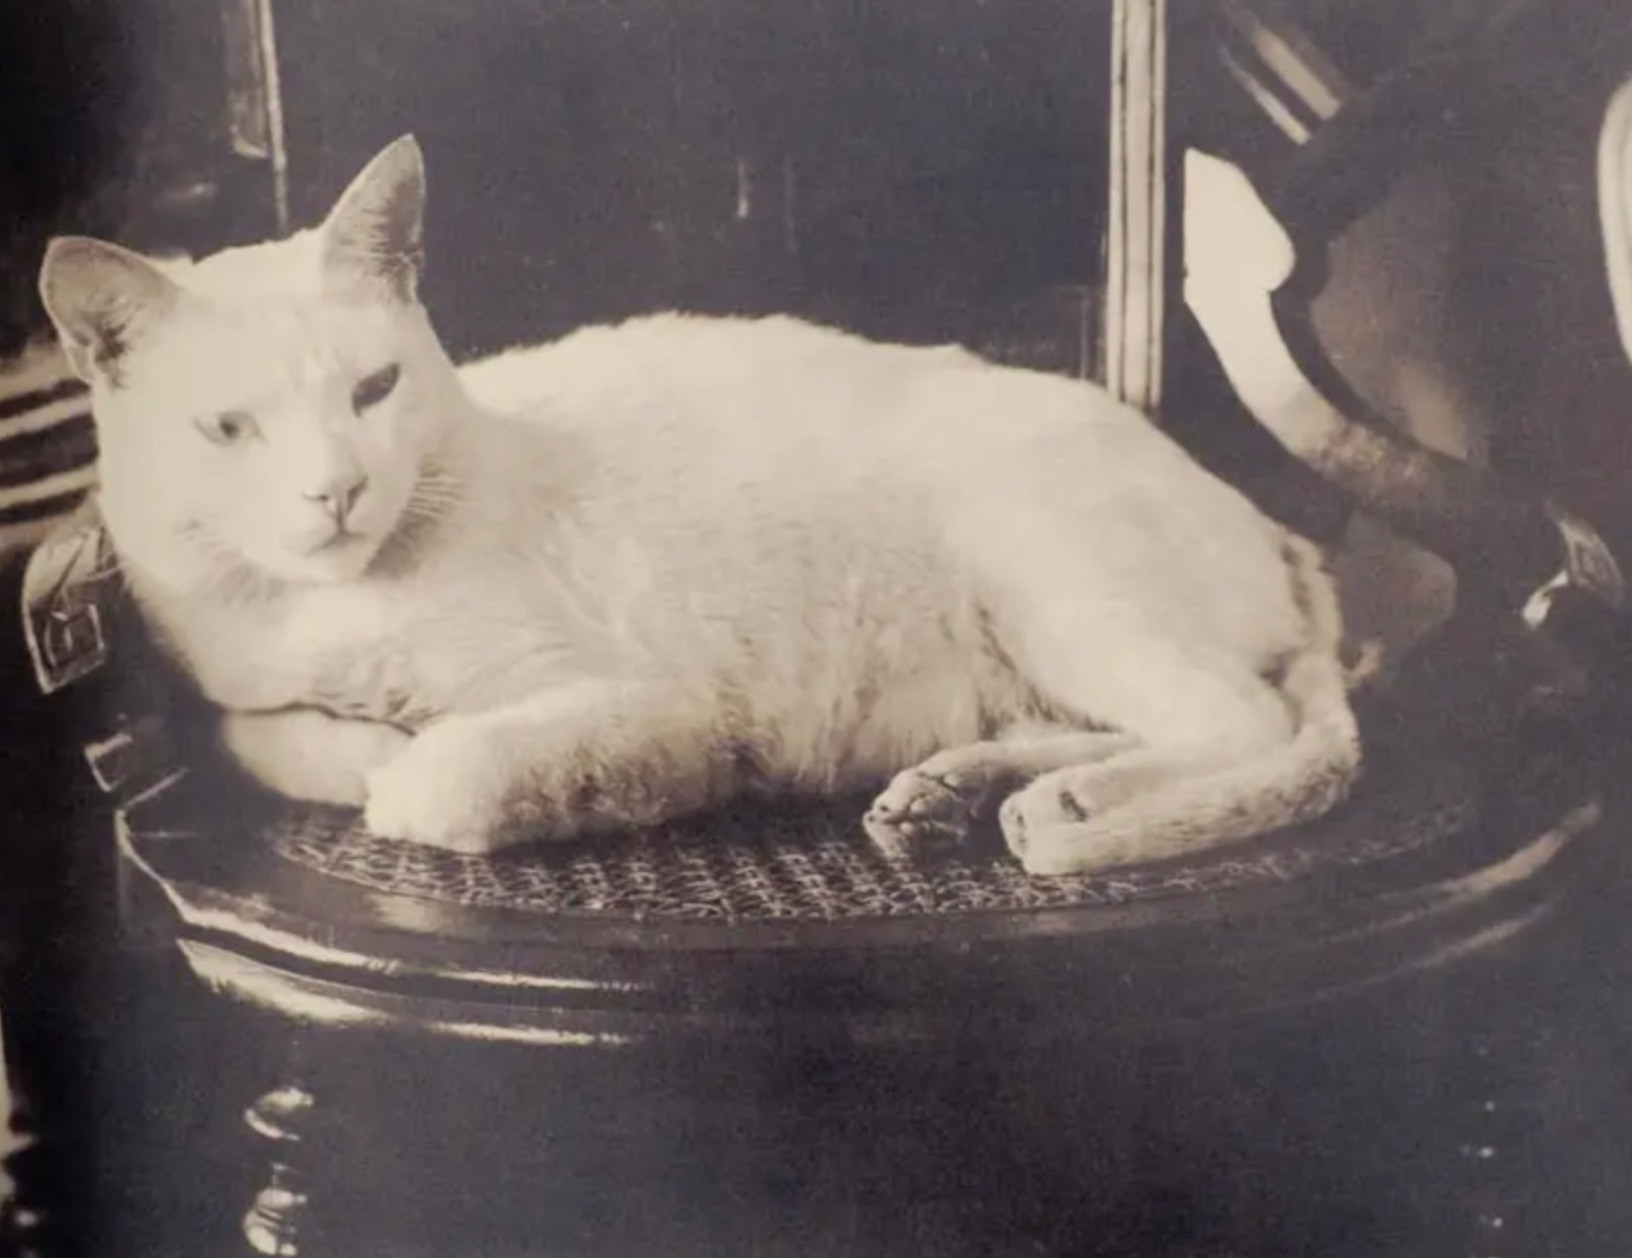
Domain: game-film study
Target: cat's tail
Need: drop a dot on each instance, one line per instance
(1297, 781)
(1313, 772)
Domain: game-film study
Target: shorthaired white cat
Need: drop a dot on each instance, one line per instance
(609, 580)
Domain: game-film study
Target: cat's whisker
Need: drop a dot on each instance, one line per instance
(226, 573)
(437, 495)
(429, 506)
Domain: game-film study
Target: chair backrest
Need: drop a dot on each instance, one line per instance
(1344, 148)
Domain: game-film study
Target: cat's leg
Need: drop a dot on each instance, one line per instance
(1211, 746)
(1191, 709)
(594, 756)
(940, 802)
(309, 755)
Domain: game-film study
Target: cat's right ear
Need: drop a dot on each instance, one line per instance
(373, 235)
(102, 299)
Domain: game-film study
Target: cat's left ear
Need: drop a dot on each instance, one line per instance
(373, 236)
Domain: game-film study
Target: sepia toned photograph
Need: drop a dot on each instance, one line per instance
(815, 628)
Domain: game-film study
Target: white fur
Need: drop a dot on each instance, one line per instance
(627, 574)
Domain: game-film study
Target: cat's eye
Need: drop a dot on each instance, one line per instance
(228, 427)
(373, 389)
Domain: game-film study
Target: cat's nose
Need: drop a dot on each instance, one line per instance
(339, 496)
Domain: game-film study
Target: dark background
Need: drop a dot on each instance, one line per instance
(903, 168)
(924, 170)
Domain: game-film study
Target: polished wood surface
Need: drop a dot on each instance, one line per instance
(1503, 840)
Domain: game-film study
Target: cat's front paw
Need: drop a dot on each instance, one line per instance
(927, 810)
(309, 755)
(449, 788)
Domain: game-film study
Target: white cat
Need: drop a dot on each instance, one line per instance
(605, 581)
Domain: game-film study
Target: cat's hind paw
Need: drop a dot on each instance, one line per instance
(1095, 820)
(1050, 828)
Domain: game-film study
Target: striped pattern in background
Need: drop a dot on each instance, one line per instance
(47, 455)
(47, 444)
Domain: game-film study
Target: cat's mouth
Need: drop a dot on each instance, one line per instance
(340, 556)
(339, 540)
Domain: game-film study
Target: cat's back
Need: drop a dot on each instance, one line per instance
(684, 485)
(765, 383)
(673, 413)
(767, 396)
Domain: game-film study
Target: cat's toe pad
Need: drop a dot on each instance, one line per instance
(923, 811)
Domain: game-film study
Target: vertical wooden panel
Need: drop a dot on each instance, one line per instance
(255, 94)
(1136, 253)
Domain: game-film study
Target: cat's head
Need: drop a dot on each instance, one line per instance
(268, 410)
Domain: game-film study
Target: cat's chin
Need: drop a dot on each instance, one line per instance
(343, 560)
